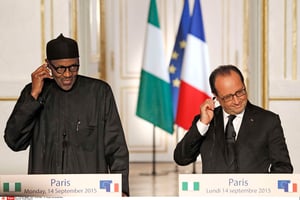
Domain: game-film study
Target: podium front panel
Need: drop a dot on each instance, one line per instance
(239, 184)
(62, 185)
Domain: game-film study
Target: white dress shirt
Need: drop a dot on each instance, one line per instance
(202, 128)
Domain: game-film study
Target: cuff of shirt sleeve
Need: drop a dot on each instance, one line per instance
(40, 101)
(202, 128)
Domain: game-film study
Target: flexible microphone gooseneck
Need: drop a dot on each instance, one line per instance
(214, 137)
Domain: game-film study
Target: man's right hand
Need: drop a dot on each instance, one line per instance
(37, 79)
(207, 111)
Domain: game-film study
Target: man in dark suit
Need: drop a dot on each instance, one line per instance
(255, 144)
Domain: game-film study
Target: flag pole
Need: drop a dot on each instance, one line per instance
(176, 138)
(154, 173)
(153, 152)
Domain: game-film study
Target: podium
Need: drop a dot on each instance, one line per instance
(255, 185)
(61, 185)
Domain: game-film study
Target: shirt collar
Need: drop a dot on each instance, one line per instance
(240, 115)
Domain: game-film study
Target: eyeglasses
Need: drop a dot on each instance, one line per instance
(238, 93)
(62, 69)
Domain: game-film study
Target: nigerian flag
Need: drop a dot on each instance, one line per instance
(11, 187)
(154, 99)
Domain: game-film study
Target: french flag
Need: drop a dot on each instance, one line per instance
(109, 186)
(194, 86)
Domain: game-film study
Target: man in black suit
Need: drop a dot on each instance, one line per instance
(256, 143)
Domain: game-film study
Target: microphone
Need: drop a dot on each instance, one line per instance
(214, 137)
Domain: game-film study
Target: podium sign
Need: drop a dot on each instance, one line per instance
(239, 184)
(61, 185)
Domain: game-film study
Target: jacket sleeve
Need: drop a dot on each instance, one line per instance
(116, 151)
(278, 151)
(20, 124)
(188, 149)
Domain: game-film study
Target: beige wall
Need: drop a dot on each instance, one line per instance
(260, 36)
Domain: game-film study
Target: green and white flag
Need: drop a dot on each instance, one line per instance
(190, 186)
(154, 99)
(11, 187)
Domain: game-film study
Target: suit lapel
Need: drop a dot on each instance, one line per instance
(247, 123)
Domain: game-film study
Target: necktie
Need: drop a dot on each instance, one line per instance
(230, 144)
